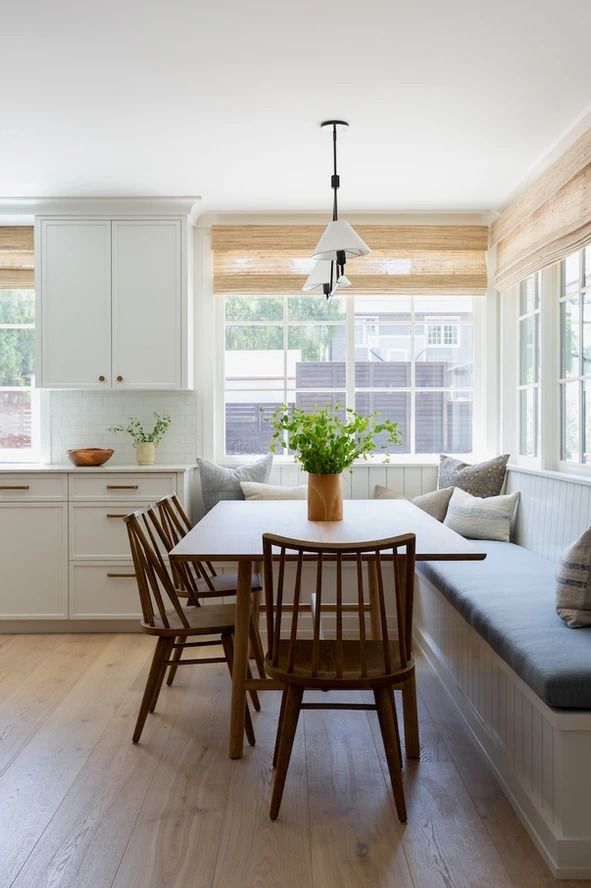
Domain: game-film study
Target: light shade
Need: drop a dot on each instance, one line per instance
(320, 275)
(339, 237)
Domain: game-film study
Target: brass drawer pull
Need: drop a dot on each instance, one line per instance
(111, 515)
(117, 575)
(14, 487)
(122, 486)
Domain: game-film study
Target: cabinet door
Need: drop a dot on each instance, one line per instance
(147, 304)
(74, 303)
(34, 557)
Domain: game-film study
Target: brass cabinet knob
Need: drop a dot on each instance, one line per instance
(101, 378)
(119, 379)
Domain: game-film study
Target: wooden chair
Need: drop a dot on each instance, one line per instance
(174, 624)
(200, 580)
(359, 663)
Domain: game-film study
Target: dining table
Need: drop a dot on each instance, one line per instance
(231, 533)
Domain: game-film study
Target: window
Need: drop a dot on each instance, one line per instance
(410, 358)
(575, 357)
(530, 294)
(19, 408)
(443, 334)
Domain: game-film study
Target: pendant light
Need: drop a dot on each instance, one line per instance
(339, 241)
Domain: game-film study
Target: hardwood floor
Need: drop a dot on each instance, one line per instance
(81, 807)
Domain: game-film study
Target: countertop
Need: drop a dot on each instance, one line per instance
(106, 469)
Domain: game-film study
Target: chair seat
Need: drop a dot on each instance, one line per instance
(225, 584)
(374, 651)
(212, 619)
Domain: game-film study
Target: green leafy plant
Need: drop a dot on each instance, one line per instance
(139, 435)
(332, 438)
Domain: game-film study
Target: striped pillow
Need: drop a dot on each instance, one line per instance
(481, 519)
(573, 583)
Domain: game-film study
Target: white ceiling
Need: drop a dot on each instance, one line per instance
(450, 102)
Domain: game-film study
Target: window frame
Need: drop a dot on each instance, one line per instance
(479, 372)
(39, 412)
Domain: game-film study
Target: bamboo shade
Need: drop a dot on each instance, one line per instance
(548, 220)
(429, 259)
(17, 259)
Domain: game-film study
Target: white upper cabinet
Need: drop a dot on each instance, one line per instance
(146, 294)
(112, 300)
(74, 311)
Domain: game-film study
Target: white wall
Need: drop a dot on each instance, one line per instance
(81, 419)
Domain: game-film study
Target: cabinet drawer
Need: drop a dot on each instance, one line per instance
(103, 591)
(18, 487)
(99, 531)
(144, 487)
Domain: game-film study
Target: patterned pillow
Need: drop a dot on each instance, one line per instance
(573, 583)
(481, 479)
(252, 490)
(481, 519)
(222, 483)
(434, 503)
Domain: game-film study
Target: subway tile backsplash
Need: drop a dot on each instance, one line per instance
(81, 419)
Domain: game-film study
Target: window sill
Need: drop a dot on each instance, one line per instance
(567, 472)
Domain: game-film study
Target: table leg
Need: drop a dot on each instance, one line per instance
(241, 644)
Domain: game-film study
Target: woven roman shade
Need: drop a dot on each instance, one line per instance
(17, 259)
(548, 220)
(429, 259)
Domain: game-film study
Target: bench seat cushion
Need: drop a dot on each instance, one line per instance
(509, 598)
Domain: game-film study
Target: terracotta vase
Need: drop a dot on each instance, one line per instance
(145, 454)
(325, 497)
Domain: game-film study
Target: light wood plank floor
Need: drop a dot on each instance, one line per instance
(81, 807)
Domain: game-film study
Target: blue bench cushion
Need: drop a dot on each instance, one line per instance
(509, 598)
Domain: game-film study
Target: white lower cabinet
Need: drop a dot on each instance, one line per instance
(64, 551)
(34, 563)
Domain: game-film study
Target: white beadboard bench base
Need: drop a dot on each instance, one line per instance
(539, 755)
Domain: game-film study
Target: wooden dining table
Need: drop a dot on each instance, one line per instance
(231, 533)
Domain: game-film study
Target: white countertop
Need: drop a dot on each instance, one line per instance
(107, 468)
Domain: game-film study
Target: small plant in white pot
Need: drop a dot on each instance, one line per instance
(145, 443)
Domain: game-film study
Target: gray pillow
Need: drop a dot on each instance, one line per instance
(481, 519)
(573, 583)
(223, 483)
(434, 503)
(481, 479)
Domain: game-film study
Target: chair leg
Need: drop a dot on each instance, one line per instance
(158, 687)
(293, 704)
(228, 645)
(411, 717)
(386, 714)
(173, 668)
(253, 694)
(279, 727)
(154, 675)
(256, 646)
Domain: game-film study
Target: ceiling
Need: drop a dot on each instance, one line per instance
(450, 103)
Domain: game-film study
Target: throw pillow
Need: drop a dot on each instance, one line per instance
(434, 503)
(481, 519)
(573, 583)
(223, 483)
(252, 490)
(481, 479)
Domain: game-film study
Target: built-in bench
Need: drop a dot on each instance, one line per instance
(518, 675)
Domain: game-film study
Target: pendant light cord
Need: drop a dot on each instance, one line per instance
(335, 181)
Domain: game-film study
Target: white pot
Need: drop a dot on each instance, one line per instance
(145, 454)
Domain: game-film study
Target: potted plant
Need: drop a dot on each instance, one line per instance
(325, 443)
(145, 443)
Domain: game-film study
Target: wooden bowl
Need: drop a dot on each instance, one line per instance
(90, 456)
